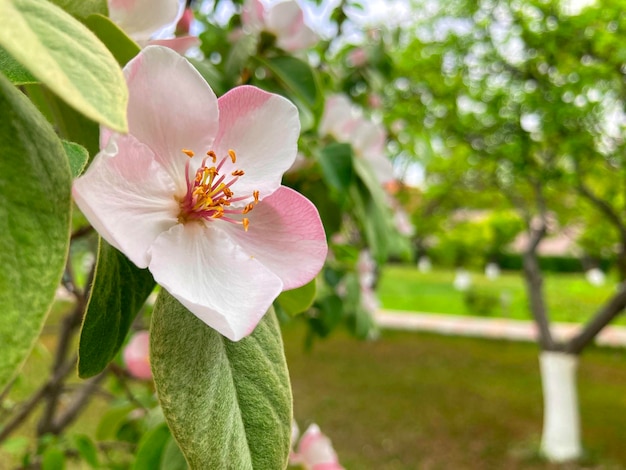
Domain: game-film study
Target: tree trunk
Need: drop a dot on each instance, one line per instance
(534, 289)
(560, 441)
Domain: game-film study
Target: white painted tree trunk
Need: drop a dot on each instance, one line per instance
(560, 441)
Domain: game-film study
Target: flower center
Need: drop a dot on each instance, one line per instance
(209, 195)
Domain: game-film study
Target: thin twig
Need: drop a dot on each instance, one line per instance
(29, 406)
(78, 402)
(121, 376)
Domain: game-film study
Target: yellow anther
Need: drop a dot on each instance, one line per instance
(219, 212)
(246, 223)
(188, 152)
(227, 192)
(232, 155)
(248, 208)
(255, 194)
(223, 202)
(211, 154)
(238, 173)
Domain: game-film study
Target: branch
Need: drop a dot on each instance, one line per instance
(78, 402)
(604, 316)
(69, 325)
(604, 207)
(54, 390)
(532, 273)
(121, 376)
(33, 401)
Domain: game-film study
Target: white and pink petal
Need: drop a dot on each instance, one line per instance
(215, 279)
(179, 44)
(263, 129)
(286, 20)
(253, 16)
(128, 197)
(286, 235)
(170, 108)
(141, 19)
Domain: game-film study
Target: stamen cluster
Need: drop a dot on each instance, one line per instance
(209, 195)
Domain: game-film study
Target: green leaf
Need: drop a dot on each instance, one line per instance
(13, 70)
(151, 447)
(112, 421)
(227, 403)
(336, 162)
(297, 77)
(83, 8)
(239, 54)
(211, 74)
(77, 156)
(62, 53)
(172, 458)
(121, 46)
(35, 205)
(53, 459)
(298, 300)
(87, 449)
(70, 124)
(372, 210)
(119, 290)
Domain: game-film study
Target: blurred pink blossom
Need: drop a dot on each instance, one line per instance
(144, 20)
(137, 355)
(374, 100)
(357, 57)
(315, 451)
(366, 268)
(345, 122)
(183, 26)
(284, 19)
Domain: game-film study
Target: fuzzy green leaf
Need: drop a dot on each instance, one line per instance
(63, 54)
(228, 404)
(35, 205)
(83, 8)
(119, 290)
(13, 70)
(77, 156)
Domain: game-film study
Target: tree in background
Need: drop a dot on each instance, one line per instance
(525, 102)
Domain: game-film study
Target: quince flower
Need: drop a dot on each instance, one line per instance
(137, 355)
(345, 122)
(315, 451)
(194, 193)
(284, 19)
(142, 20)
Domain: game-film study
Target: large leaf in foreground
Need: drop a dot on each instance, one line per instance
(35, 206)
(227, 403)
(83, 8)
(63, 54)
(119, 290)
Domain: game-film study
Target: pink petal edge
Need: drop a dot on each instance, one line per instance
(263, 129)
(286, 235)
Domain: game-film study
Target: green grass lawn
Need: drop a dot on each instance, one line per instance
(570, 297)
(422, 401)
